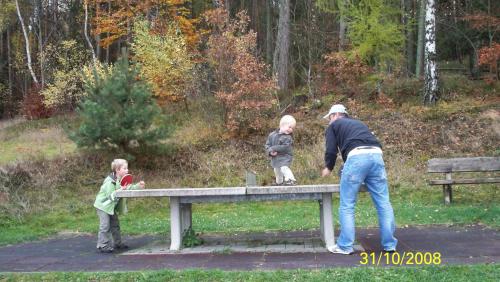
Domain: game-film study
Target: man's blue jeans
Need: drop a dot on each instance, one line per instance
(370, 169)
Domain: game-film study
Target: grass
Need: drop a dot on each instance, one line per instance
(150, 216)
(71, 208)
(24, 140)
(427, 273)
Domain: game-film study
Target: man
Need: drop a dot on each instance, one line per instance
(362, 155)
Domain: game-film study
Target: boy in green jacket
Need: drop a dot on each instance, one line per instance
(108, 206)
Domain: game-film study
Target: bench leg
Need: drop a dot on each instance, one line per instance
(447, 194)
(175, 224)
(327, 233)
(186, 217)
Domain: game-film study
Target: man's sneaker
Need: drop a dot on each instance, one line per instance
(121, 247)
(337, 250)
(105, 250)
(289, 182)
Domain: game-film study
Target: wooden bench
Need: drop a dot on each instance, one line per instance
(454, 165)
(181, 200)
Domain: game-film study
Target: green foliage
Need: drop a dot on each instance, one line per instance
(65, 62)
(375, 32)
(373, 27)
(119, 112)
(4, 93)
(7, 14)
(102, 70)
(340, 7)
(190, 238)
(165, 61)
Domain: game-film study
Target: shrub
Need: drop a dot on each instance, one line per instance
(244, 89)
(342, 74)
(119, 112)
(65, 87)
(32, 106)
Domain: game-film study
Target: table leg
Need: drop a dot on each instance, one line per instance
(327, 230)
(175, 224)
(186, 217)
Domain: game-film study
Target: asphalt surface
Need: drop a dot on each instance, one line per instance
(417, 245)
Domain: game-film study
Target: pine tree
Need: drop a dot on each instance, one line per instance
(119, 112)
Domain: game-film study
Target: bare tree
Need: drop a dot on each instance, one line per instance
(26, 39)
(431, 74)
(94, 58)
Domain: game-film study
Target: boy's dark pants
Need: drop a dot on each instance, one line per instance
(108, 223)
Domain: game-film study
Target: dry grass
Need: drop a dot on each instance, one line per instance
(10, 122)
(45, 144)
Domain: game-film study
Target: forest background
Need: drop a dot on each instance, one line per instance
(188, 91)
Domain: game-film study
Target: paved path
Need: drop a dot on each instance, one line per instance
(457, 245)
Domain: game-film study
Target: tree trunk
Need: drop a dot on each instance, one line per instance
(311, 19)
(86, 32)
(97, 39)
(40, 42)
(420, 40)
(342, 31)
(26, 39)
(9, 63)
(431, 75)
(269, 32)
(474, 60)
(107, 34)
(282, 48)
(409, 14)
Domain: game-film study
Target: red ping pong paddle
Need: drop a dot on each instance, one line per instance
(126, 180)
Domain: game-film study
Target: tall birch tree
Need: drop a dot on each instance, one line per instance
(26, 39)
(431, 73)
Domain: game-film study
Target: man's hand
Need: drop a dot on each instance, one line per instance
(274, 153)
(325, 172)
(142, 184)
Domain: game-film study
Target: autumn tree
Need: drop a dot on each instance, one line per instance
(244, 89)
(65, 87)
(165, 60)
(113, 19)
(489, 24)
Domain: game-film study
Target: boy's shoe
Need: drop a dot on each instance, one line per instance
(337, 250)
(105, 250)
(290, 182)
(390, 251)
(121, 247)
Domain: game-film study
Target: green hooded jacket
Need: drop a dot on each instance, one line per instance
(106, 199)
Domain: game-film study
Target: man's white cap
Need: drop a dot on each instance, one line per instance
(338, 108)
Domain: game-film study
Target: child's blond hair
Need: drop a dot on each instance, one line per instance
(116, 164)
(287, 119)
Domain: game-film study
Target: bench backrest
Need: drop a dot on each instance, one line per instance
(464, 164)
